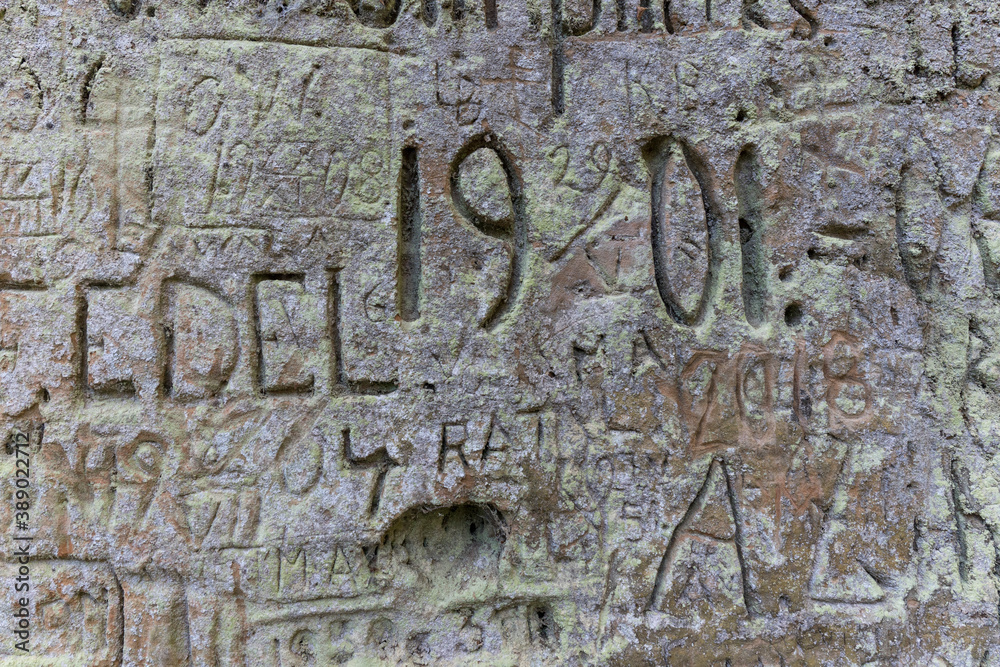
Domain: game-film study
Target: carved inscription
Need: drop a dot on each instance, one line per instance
(487, 191)
(290, 331)
(683, 232)
(433, 332)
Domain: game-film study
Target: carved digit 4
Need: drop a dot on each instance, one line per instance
(380, 460)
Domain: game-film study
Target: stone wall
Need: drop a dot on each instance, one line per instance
(500, 332)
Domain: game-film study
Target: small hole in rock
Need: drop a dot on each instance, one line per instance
(542, 627)
(812, 253)
(543, 624)
(793, 315)
(785, 274)
(805, 404)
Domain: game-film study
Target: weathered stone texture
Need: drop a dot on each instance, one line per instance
(502, 332)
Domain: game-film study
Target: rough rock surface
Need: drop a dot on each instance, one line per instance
(501, 332)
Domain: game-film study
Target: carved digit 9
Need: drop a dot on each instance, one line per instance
(494, 213)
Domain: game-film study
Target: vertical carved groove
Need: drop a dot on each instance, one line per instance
(168, 356)
(558, 59)
(750, 200)
(257, 337)
(333, 317)
(667, 19)
(490, 7)
(740, 540)
(429, 12)
(114, 208)
(955, 51)
(81, 328)
(908, 270)
(457, 10)
(645, 16)
(88, 87)
(408, 243)
(119, 622)
(984, 224)
(960, 524)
